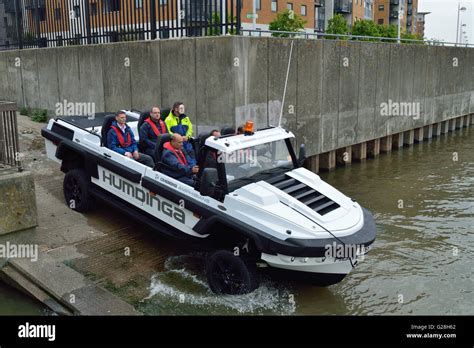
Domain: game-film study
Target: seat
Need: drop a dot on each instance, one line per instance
(161, 140)
(226, 130)
(141, 142)
(143, 117)
(164, 114)
(105, 129)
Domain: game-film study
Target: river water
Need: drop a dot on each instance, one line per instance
(422, 199)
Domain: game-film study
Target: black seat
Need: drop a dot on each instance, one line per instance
(141, 142)
(202, 138)
(226, 130)
(164, 114)
(160, 141)
(143, 117)
(105, 129)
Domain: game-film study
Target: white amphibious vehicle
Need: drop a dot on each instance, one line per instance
(257, 207)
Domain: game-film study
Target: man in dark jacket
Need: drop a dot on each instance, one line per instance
(183, 167)
(151, 129)
(120, 139)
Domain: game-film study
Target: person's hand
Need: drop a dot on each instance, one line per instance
(128, 154)
(195, 169)
(136, 155)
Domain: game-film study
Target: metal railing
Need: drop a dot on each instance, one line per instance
(9, 144)
(307, 35)
(49, 23)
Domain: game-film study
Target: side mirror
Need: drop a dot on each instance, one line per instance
(208, 182)
(302, 155)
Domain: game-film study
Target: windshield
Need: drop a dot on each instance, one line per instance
(257, 159)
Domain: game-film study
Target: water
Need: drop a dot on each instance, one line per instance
(13, 302)
(423, 203)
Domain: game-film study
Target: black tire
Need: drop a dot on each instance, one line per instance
(76, 190)
(230, 274)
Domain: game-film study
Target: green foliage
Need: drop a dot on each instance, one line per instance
(390, 31)
(25, 111)
(408, 36)
(337, 25)
(215, 25)
(39, 115)
(287, 21)
(366, 27)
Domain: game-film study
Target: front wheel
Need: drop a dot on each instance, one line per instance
(76, 190)
(230, 274)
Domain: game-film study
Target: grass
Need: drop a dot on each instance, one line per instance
(36, 115)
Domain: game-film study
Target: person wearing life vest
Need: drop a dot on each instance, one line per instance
(178, 122)
(151, 129)
(183, 168)
(120, 139)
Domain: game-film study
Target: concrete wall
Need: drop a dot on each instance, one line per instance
(334, 96)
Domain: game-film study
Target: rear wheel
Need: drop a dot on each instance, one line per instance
(230, 274)
(76, 190)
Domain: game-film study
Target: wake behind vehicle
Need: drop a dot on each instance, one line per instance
(257, 207)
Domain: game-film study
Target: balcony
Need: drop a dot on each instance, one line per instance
(410, 2)
(320, 25)
(319, 3)
(409, 12)
(9, 6)
(343, 6)
(394, 14)
(394, 2)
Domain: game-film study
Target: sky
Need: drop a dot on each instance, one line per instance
(441, 22)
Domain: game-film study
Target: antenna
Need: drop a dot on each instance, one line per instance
(286, 83)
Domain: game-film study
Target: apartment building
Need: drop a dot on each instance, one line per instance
(420, 23)
(99, 21)
(351, 10)
(386, 12)
(267, 11)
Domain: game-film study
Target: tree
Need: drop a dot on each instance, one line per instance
(337, 25)
(287, 21)
(215, 26)
(391, 31)
(366, 27)
(408, 36)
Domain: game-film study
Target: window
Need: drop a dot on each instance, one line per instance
(303, 10)
(380, 21)
(111, 5)
(57, 14)
(77, 11)
(258, 5)
(274, 5)
(42, 13)
(289, 6)
(381, 7)
(94, 9)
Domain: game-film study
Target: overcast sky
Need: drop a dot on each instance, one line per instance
(441, 22)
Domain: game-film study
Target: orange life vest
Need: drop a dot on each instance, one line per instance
(121, 139)
(179, 154)
(155, 128)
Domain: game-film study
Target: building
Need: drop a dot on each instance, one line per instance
(386, 13)
(351, 10)
(73, 22)
(267, 11)
(420, 23)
